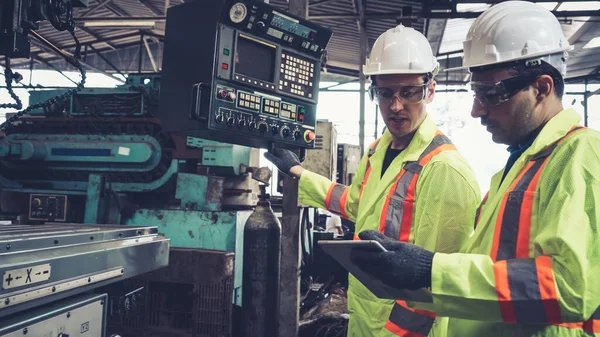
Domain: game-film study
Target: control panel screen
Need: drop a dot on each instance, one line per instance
(291, 25)
(255, 59)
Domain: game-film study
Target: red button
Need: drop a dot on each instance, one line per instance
(225, 66)
(301, 118)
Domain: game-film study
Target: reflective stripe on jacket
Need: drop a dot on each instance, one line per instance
(531, 268)
(445, 197)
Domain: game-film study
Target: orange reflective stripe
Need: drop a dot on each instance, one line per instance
(524, 233)
(336, 199)
(548, 293)
(503, 291)
(398, 331)
(592, 325)
(502, 213)
(407, 215)
(364, 183)
(432, 154)
(396, 221)
(527, 291)
(372, 149)
(513, 225)
(408, 322)
(328, 196)
(343, 202)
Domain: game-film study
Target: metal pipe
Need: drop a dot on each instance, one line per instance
(150, 56)
(140, 55)
(585, 104)
(376, 133)
(106, 60)
(48, 46)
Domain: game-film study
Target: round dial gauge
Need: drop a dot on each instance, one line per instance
(238, 12)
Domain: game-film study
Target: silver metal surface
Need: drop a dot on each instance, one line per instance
(77, 258)
(82, 316)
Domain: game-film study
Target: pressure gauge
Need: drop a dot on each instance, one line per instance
(238, 12)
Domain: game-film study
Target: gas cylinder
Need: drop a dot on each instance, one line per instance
(260, 283)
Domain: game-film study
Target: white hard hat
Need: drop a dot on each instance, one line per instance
(401, 50)
(513, 31)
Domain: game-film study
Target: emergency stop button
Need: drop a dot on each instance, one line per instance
(309, 136)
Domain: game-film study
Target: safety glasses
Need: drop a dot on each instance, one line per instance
(493, 94)
(407, 93)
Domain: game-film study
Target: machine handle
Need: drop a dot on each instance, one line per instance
(197, 101)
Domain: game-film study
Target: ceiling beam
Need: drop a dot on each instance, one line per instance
(435, 15)
(93, 9)
(53, 51)
(151, 7)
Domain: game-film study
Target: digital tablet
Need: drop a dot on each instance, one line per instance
(340, 251)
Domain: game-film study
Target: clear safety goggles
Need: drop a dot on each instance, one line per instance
(493, 94)
(407, 93)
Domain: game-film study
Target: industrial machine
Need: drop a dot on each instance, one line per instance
(252, 79)
(118, 176)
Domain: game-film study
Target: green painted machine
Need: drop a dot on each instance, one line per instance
(78, 164)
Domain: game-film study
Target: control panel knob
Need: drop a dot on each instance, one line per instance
(261, 25)
(285, 132)
(219, 119)
(252, 125)
(242, 123)
(309, 136)
(37, 202)
(230, 121)
(263, 127)
(63, 334)
(274, 129)
(297, 134)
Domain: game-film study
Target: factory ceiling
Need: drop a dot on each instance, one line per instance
(126, 36)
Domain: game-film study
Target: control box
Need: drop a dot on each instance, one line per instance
(241, 72)
(48, 207)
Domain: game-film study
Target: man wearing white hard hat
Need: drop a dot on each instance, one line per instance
(412, 185)
(532, 267)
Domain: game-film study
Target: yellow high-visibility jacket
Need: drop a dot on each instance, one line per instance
(532, 267)
(446, 197)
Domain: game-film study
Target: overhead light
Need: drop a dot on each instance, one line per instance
(121, 23)
(580, 6)
(594, 43)
(472, 7)
(548, 5)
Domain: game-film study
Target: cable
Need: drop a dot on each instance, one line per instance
(72, 60)
(8, 77)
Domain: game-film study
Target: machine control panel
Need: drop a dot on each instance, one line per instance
(254, 74)
(258, 114)
(282, 28)
(48, 207)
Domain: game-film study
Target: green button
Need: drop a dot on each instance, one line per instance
(226, 51)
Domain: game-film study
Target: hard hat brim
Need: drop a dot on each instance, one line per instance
(520, 58)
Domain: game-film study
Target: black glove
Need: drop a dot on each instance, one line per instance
(403, 266)
(283, 159)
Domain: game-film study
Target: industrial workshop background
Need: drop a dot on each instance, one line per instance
(122, 46)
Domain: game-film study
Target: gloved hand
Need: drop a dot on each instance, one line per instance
(283, 159)
(403, 266)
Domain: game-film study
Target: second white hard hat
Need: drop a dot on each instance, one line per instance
(513, 31)
(401, 50)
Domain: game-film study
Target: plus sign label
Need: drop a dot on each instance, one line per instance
(26, 276)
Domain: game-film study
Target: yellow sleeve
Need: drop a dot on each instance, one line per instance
(446, 200)
(318, 191)
(559, 284)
